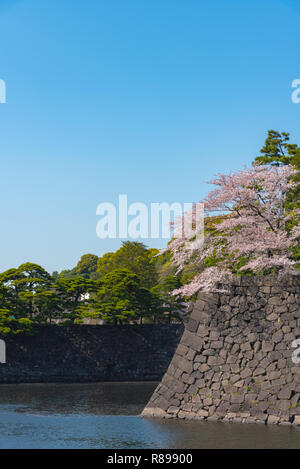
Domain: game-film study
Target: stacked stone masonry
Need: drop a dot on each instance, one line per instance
(90, 353)
(234, 361)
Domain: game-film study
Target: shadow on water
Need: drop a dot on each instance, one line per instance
(95, 399)
(219, 435)
(105, 415)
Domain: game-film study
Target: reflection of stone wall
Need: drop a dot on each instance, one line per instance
(86, 353)
(234, 358)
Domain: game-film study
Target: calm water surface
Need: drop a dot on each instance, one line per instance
(105, 415)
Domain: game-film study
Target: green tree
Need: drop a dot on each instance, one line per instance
(87, 265)
(67, 273)
(148, 306)
(278, 151)
(120, 299)
(164, 265)
(11, 325)
(30, 292)
(106, 264)
(116, 296)
(135, 257)
(172, 305)
(138, 259)
(22, 286)
(70, 296)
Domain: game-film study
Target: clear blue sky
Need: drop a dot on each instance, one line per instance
(149, 98)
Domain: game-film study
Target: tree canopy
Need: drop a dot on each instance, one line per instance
(278, 151)
(116, 288)
(251, 227)
(257, 230)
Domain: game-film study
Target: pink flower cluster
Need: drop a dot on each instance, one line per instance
(246, 221)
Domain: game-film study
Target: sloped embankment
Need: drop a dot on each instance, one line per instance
(234, 361)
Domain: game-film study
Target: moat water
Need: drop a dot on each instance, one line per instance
(106, 415)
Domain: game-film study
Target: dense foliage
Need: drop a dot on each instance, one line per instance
(129, 285)
(257, 230)
(251, 227)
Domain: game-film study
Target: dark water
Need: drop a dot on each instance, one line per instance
(106, 416)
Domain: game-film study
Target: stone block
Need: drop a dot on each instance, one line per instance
(216, 344)
(246, 372)
(192, 325)
(237, 398)
(283, 405)
(183, 363)
(285, 393)
(214, 335)
(202, 413)
(187, 378)
(200, 383)
(273, 419)
(296, 420)
(277, 337)
(190, 355)
(182, 350)
(192, 340)
(267, 346)
(273, 375)
(202, 331)
(173, 410)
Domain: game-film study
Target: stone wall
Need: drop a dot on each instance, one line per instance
(87, 353)
(234, 361)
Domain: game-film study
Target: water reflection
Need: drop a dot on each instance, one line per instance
(95, 399)
(219, 435)
(105, 415)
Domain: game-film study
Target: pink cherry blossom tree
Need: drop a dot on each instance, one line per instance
(247, 229)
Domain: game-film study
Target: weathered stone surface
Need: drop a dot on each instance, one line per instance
(259, 371)
(272, 317)
(267, 346)
(183, 364)
(277, 337)
(246, 372)
(285, 393)
(91, 353)
(155, 412)
(192, 340)
(187, 378)
(202, 331)
(273, 419)
(239, 349)
(192, 325)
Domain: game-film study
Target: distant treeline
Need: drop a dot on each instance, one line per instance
(131, 285)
